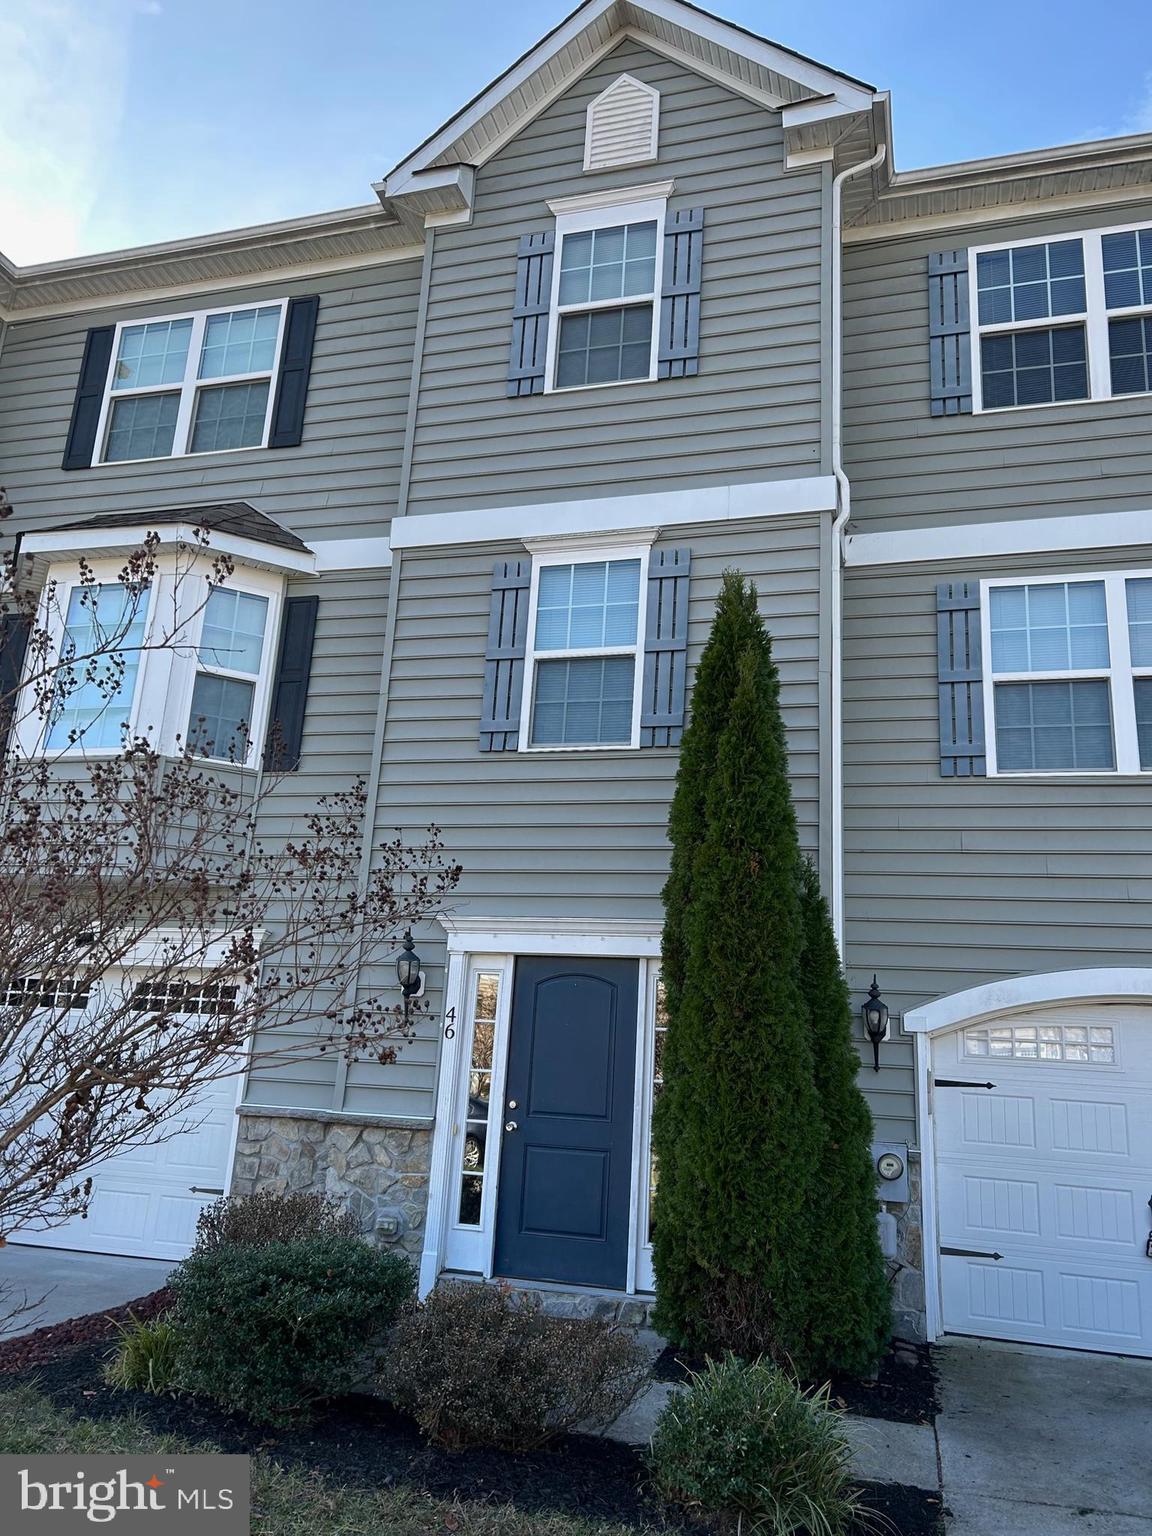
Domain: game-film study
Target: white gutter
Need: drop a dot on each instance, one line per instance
(844, 496)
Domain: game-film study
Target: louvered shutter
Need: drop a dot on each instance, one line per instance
(89, 398)
(665, 648)
(949, 334)
(530, 316)
(679, 355)
(959, 676)
(504, 657)
(290, 689)
(15, 629)
(295, 369)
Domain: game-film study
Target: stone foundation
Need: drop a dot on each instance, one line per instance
(379, 1171)
(908, 1285)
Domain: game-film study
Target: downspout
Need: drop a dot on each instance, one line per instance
(843, 512)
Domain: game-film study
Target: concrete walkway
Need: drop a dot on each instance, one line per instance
(1044, 1442)
(1028, 1442)
(67, 1284)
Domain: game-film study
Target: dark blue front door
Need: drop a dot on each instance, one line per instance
(566, 1167)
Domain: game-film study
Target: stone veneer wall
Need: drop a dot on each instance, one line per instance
(378, 1169)
(908, 1321)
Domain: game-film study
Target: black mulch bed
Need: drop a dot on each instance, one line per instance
(30, 1349)
(904, 1390)
(362, 1442)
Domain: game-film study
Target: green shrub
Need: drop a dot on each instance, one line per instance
(145, 1357)
(477, 1365)
(268, 1218)
(270, 1329)
(747, 1448)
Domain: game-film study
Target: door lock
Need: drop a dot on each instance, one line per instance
(511, 1103)
(510, 1125)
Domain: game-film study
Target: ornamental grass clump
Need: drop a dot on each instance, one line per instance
(477, 1365)
(749, 1450)
(145, 1358)
(270, 1329)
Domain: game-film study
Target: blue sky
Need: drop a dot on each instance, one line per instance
(128, 121)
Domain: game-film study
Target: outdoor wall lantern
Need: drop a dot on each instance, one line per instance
(875, 1016)
(408, 971)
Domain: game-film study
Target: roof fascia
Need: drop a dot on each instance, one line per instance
(64, 542)
(819, 80)
(970, 218)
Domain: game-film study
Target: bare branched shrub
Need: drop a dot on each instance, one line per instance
(265, 1217)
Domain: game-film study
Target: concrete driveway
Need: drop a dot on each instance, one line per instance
(1044, 1442)
(70, 1284)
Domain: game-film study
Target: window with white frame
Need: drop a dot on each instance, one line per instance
(187, 665)
(584, 642)
(1063, 320)
(1068, 666)
(606, 277)
(198, 383)
(229, 674)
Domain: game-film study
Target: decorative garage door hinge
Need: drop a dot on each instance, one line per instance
(958, 1082)
(971, 1253)
(202, 1189)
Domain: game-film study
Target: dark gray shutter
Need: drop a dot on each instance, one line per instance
(530, 316)
(950, 355)
(679, 356)
(504, 658)
(959, 673)
(89, 398)
(15, 628)
(290, 688)
(665, 648)
(295, 367)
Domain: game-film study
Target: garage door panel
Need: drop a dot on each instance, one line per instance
(1051, 1169)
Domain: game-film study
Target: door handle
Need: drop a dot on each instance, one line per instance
(510, 1125)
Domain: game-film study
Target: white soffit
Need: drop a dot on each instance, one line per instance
(749, 64)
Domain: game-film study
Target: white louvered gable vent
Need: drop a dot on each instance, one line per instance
(623, 123)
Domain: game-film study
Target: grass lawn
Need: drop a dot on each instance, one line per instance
(284, 1503)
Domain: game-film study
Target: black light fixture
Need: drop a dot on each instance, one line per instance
(875, 1016)
(408, 970)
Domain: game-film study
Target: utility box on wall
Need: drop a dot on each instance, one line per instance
(890, 1162)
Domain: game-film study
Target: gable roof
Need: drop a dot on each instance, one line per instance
(753, 66)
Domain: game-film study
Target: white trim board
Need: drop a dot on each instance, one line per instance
(88, 541)
(370, 554)
(1015, 536)
(623, 937)
(617, 514)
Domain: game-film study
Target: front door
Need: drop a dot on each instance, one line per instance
(569, 1103)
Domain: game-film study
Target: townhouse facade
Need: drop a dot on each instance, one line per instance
(654, 305)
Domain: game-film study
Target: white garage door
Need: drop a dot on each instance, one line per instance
(1044, 1178)
(145, 1202)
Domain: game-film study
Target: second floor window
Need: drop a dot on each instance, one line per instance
(1070, 675)
(100, 653)
(584, 654)
(1063, 320)
(228, 674)
(200, 383)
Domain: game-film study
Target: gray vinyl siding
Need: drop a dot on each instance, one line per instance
(341, 482)
(339, 728)
(908, 467)
(566, 834)
(953, 883)
(754, 410)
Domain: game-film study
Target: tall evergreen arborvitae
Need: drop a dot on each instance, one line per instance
(736, 1128)
(848, 1308)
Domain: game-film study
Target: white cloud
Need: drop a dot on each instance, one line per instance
(1140, 120)
(63, 65)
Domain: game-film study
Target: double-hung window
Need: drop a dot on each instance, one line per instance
(1062, 320)
(585, 625)
(100, 654)
(1068, 666)
(198, 383)
(227, 694)
(605, 281)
